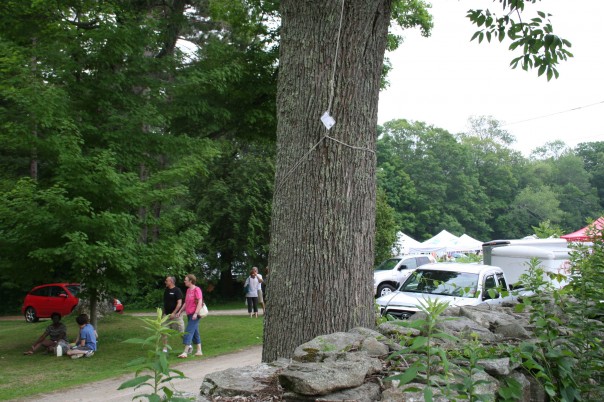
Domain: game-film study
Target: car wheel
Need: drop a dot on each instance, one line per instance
(385, 289)
(30, 315)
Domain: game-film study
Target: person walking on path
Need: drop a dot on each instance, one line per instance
(252, 283)
(192, 306)
(173, 299)
(57, 331)
(260, 292)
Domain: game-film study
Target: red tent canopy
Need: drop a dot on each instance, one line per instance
(583, 234)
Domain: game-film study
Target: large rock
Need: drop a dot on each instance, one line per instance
(488, 317)
(367, 392)
(246, 381)
(512, 330)
(337, 373)
(324, 346)
(391, 328)
(466, 328)
(496, 367)
(407, 394)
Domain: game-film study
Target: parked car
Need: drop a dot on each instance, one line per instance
(44, 300)
(391, 273)
(118, 307)
(456, 283)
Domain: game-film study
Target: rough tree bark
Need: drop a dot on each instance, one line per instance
(323, 219)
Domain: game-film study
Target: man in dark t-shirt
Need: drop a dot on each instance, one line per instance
(57, 331)
(173, 299)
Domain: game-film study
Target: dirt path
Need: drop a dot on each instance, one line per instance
(194, 368)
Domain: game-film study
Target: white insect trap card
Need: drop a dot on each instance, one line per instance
(327, 120)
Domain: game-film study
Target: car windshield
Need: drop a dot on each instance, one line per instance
(388, 264)
(73, 289)
(447, 283)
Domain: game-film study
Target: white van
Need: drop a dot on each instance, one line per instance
(391, 273)
(513, 257)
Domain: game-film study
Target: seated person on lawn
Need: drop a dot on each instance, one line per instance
(86, 342)
(56, 331)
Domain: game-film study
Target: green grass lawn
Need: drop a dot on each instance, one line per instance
(22, 376)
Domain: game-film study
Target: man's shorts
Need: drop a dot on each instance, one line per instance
(84, 348)
(260, 297)
(176, 324)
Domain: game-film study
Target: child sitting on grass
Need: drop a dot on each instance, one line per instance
(86, 341)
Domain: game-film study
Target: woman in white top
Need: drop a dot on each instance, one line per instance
(252, 283)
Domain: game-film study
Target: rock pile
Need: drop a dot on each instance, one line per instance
(353, 366)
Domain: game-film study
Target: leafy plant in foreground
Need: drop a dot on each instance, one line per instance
(156, 362)
(585, 315)
(467, 384)
(549, 359)
(430, 364)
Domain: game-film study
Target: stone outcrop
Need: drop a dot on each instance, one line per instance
(355, 365)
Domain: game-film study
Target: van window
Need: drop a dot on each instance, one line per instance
(388, 264)
(489, 283)
(410, 263)
(502, 282)
(422, 261)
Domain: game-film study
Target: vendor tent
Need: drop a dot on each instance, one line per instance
(438, 244)
(404, 243)
(585, 234)
(465, 243)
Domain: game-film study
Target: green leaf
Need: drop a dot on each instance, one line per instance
(136, 381)
(542, 70)
(419, 342)
(428, 393)
(406, 377)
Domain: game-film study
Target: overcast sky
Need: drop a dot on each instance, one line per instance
(445, 79)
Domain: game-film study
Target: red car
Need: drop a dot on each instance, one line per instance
(44, 300)
(118, 307)
(60, 298)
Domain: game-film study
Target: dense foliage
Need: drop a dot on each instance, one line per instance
(110, 131)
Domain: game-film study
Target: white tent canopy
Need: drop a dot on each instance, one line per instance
(465, 243)
(438, 244)
(404, 243)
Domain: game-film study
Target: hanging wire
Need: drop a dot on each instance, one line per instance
(331, 96)
(335, 61)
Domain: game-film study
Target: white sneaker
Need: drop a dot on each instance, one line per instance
(90, 353)
(165, 350)
(77, 356)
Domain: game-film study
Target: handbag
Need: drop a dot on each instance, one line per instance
(203, 313)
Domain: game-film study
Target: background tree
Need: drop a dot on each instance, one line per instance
(446, 191)
(546, 230)
(592, 154)
(499, 169)
(235, 201)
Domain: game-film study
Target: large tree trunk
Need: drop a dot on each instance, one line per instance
(323, 219)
